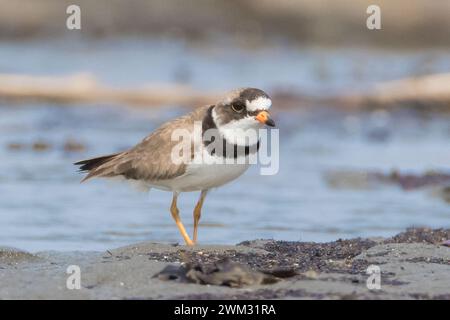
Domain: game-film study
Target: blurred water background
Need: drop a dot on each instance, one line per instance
(44, 207)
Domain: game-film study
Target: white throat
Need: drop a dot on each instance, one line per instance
(242, 132)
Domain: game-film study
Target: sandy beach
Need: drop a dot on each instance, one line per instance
(414, 265)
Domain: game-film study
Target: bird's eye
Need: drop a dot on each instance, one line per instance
(237, 107)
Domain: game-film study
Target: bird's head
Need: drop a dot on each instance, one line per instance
(246, 108)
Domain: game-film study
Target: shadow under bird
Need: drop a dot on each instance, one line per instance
(151, 162)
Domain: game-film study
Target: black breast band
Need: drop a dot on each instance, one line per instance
(222, 147)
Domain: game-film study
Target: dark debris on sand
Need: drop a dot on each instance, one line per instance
(222, 273)
(283, 259)
(285, 264)
(289, 259)
(322, 257)
(421, 235)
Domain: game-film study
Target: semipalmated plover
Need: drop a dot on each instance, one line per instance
(205, 151)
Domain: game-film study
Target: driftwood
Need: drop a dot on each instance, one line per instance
(428, 92)
(84, 88)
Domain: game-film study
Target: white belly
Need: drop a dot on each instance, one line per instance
(201, 176)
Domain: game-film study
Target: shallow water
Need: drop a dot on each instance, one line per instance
(43, 205)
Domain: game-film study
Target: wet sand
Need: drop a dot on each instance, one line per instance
(414, 264)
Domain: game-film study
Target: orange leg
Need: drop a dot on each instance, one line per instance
(175, 214)
(198, 212)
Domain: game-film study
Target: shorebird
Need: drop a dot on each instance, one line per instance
(151, 161)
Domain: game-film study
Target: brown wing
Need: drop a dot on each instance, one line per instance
(151, 159)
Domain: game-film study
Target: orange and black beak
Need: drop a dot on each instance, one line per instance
(264, 117)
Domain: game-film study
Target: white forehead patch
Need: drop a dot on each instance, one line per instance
(260, 103)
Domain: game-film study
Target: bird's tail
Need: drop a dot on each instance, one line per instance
(92, 166)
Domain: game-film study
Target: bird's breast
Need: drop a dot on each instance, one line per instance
(209, 171)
